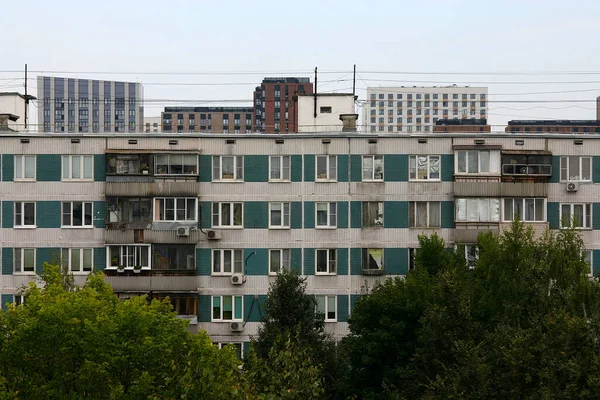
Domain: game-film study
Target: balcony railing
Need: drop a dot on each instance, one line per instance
(527, 169)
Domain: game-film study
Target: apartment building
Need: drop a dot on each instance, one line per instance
(208, 119)
(152, 124)
(554, 126)
(417, 109)
(464, 125)
(207, 220)
(89, 105)
(276, 104)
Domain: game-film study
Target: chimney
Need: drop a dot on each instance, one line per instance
(349, 121)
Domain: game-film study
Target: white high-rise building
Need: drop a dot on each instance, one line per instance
(417, 109)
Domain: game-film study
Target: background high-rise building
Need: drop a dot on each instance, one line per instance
(89, 105)
(417, 109)
(275, 104)
(207, 119)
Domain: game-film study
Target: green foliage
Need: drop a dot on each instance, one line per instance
(524, 323)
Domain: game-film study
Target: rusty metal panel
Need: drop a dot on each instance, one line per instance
(523, 189)
(477, 189)
(140, 283)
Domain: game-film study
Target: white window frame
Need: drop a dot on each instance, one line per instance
(330, 168)
(331, 215)
(137, 252)
(236, 261)
(332, 260)
(284, 209)
(20, 210)
(21, 260)
(413, 168)
(237, 345)
(284, 260)
(365, 252)
(68, 161)
(413, 210)
(486, 170)
(323, 302)
(156, 204)
(378, 222)
(471, 253)
(21, 166)
(233, 309)
(283, 173)
(83, 206)
(588, 256)
(219, 215)
(481, 203)
(238, 168)
(372, 177)
(523, 202)
(565, 169)
(169, 164)
(587, 215)
(67, 259)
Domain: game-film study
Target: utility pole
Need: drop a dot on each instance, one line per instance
(354, 82)
(26, 99)
(315, 93)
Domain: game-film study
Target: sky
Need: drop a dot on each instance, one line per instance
(510, 46)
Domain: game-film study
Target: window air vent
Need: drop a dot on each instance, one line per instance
(422, 140)
(578, 141)
(75, 140)
(479, 141)
(279, 141)
(230, 141)
(173, 142)
(24, 140)
(326, 141)
(372, 140)
(519, 142)
(132, 141)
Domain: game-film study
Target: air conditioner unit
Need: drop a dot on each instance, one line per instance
(572, 187)
(213, 235)
(183, 231)
(237, 279)
(236, 327)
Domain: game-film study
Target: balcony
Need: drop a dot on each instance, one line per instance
(152, 280)
(500, 189)
(148, 186)
(467, 232)
(124, 233)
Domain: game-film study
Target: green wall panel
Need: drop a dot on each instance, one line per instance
(356, 214)
(395, 214)
(48, 167)
(205, 214)
(342, 308)
(296, 260)
(99, 168)
(296, 173)
(555, 178)
(258, 264)
(256, 168)
(99, 258)
(596, 262)
(553, 211)
(8, 214)
(203, 262)
(45, 254)
(254, 307)
(342, 261)
(356, 168)
(395, 168)
(447, 214)
(356, 261)
(596, 169)
(256, 215)
(447, 168)
(353, 300)
(596, 216)
(5, 300)
(342, 217)
(395, 261)
(309, 261)
(7, 260)
(48, 214)
(296, 215)
(8, 167)
(342, 168)
(309, 215)
(204, 308)
(100, 214)
(309, 168)
(205, 168)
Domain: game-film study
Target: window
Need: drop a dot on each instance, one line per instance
(129, 209)
(25, 168)
(239, 348)
(175, 209)
(372, 214)
(77, 214)
(176, 164)
(326, 110)
(576, 215)
(326, 261)
(127, 164)
(471, 253)
(24, 214)
(227, 262)
(528, 210)
(279, 215)
(587, 258)
(575, 168)
(24, 260)
(424, 214)
(372, 259)
(129, 256)
(279, 168)
(227, 215)
(372, 168)
(424, 168)
(477, 210)
(473, 161)
(326, 215)
(173, 257)
(77, 167)
(326, 168)
(227, 308)
(77, 260)
(326, 307)
(228, 168)
(279, 259)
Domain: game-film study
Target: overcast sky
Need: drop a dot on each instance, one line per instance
(290, 38)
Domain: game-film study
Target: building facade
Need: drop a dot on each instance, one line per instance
(208, 220)
(417, 109)
(321, 112)
(554, 126)
(464, 125)
(207, 119)
(89, 106)
(152, 124)
(12, 111)
(276, 104)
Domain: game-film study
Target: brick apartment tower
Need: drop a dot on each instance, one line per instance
(275, 104)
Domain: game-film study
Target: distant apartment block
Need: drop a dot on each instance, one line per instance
(466, 125)
(554, 126)
(207, 119)
(89, 105)
(417, 109)
(276, 106)
(152, 124)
